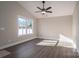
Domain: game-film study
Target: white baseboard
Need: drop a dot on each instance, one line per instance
(12, 44)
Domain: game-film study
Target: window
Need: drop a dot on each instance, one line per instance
(29, 26)
(24, 26)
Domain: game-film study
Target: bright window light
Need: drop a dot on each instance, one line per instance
(20, 32)
(21, 26)
(29, 26)
(25, 26)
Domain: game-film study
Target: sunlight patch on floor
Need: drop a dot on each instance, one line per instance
(63, 42)
(66, 42)
(47, 43)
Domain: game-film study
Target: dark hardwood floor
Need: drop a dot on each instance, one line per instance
(33, 49)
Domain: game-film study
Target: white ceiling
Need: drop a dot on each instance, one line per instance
(59, 8)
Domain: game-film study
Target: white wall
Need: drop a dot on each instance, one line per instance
(76, 25)
(51, 28)
(9, 12)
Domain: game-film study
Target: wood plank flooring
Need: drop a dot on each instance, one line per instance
(32, 49)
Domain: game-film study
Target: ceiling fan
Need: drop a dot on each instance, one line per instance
(44, 10)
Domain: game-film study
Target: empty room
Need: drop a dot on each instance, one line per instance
(39, 29)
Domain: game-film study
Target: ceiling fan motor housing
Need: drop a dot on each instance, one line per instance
(43, 1)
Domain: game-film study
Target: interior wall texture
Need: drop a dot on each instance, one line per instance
(52, 28)
(9, 12)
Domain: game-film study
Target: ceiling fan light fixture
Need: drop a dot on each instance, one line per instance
(43, 12)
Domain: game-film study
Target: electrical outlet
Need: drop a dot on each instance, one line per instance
(2, 28)
(9, 40)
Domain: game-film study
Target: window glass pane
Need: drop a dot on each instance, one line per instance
(29, 26)
(24, 31)
(20, 31)
(21, 22)
(28, 31)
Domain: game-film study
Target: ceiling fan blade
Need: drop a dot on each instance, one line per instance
(39, 8)
(48, 8)
(49, 11)
(37, 11)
